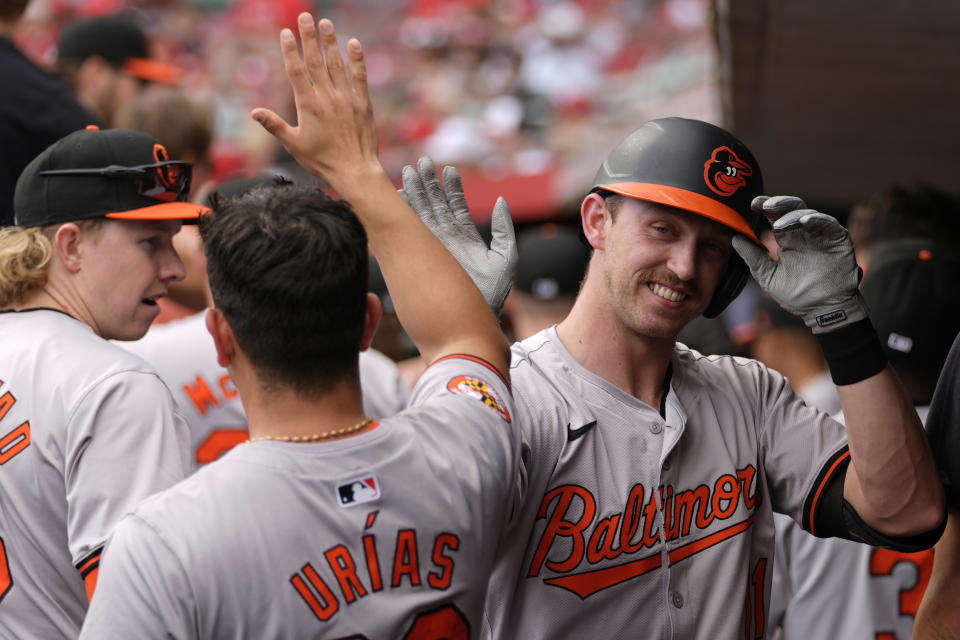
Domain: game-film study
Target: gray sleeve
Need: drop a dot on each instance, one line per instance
(142, 591)
(125, 442)
(781, 590)
(803, 449)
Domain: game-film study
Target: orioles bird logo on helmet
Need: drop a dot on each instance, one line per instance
(724, 172)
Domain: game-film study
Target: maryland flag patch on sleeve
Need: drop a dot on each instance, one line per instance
(477, 388)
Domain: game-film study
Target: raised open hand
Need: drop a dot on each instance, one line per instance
(335, 133)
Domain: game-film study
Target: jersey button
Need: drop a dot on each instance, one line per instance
(666, 465)
(677, 599)
(656, 427)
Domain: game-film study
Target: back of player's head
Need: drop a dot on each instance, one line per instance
(913, 290)
(119, 40)
(288, 269)
(183, 125)
(903, 211)
(11, 10)
(551, 262)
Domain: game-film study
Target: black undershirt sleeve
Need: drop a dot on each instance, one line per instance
(835, 517)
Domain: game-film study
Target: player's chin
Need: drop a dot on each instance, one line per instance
(137, 325)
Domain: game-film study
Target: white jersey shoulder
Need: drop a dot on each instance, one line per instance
(626, 504)
(86, 431)
(386, 534)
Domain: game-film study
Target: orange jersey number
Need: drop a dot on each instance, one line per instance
(18, 438)
(754, 606)
(219, 442)
(445, 623)
(5, 581)
(882, 562)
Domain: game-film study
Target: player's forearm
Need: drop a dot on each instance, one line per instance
(892, 482)
(939, 616)
(439, 306)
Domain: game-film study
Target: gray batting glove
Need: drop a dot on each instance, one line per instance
(816, 277)
(443, 208)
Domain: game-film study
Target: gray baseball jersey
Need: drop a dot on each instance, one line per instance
(390, 533)
(86, 431)
(183, 353)
(881, 588)
(637, 525)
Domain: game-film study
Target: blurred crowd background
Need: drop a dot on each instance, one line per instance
(524, 96)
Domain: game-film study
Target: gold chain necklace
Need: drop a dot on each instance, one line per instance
(319, 436)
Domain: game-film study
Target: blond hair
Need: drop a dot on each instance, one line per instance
(25, 254)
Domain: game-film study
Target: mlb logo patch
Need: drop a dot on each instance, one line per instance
(358, 491)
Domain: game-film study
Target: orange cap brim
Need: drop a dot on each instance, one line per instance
(153, 70)
(166, 211)
(686, 200)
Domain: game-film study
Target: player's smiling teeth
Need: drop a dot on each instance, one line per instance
(665, 292)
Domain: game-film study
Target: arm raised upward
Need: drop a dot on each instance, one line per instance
(336, 139)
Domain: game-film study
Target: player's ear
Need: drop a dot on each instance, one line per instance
(66, 243)
(594, 216)
(371, 320)
(222, 336)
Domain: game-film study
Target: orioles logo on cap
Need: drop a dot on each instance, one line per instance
(168, 172)
(725, 172)
(477, 388)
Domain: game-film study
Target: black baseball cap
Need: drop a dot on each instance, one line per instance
(118, 40)
(912, 288)
(551, 261)
(114, 173)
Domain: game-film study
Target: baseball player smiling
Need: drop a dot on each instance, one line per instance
(653, 471)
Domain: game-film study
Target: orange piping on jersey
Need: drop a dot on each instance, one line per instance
(90, 583)
(465, 356)
(89, 569)
(822, 486)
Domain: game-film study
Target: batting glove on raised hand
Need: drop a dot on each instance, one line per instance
(443, 208)
(816, 277)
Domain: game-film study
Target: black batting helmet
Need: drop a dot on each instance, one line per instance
(695, 166)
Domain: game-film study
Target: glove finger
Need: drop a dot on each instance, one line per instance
(416, 196)
(824, 226)
(757, 203)
(503, 238)
(757, 259)
(776, 207)
(806, 229)
(453, 188)
(431, 182)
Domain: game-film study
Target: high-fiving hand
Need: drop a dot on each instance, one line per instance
(335, 133)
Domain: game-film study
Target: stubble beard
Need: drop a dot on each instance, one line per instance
(640, 317)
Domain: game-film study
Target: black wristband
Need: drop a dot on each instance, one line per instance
(853, 352)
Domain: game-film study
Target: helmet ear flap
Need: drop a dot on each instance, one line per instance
(732, 282)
